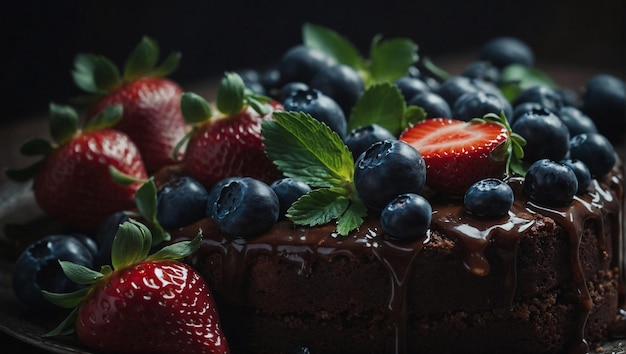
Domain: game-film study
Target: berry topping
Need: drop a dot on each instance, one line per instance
(550, 183)
(245, 207)
(505, 51)
(37, 268)
(459, 153)
(477, 104)
(387, 169)
(604, 100)
(181, 202)
(546, 135)
(406, 217)
(288, 190)
(583, 176)
(547, 97)
(411, 87)
(360, 139)
(433, 104)
(301, 63)
(576, 121)
(489, 198)
(320, 107)
(341, 83)
(595, 150)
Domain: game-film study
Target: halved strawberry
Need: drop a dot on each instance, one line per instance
(230, 143)
(459, 153)
(152, 117)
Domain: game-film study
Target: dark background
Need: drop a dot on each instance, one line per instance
(41, 38)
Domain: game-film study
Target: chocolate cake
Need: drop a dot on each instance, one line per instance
(540, 279)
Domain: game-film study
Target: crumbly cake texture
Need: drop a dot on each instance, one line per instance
(539, 280)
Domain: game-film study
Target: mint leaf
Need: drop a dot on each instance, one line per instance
(318, 207)
(351, 218)
(391, 59)
(380, 104)
(331, 43)
(305, 148)
(231, 94)
(142, 59)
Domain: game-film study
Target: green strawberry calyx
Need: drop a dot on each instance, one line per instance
(132, 245)
(98, 75)
(511, 150)
(64, 125)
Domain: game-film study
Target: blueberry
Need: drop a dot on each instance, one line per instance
(456, 86)
(270, 79)
(482, 69)
(476, 104)
(583, 175)
(595, 150)
(37, 268)
(411, 87)
(360, 139)
(406, 217)
(550, 183)
(246, 207)
(546, 135)
(576, 121)
(181, 202)
(522, 108)
(287, 89)
(320, 107)
(342, 83)
(434, 105)
(214, 193)
(504, 51)
(489, 198)
(569, 97)
(547, 97)
(288, 190)
(106, 234)
(301, 63)
(604, 100)
(387, 169)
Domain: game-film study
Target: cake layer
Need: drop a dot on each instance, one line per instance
(537, 280)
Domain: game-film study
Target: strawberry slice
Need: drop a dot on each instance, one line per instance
(459, 153)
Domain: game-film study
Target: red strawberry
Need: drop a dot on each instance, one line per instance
(151, 103)
(73, 183)
(458, 153)
(230, 144)
(144, 303)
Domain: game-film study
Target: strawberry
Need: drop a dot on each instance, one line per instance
(229, 144)
(142, 303)
(459, 153)
(72, 183)
(151, 103)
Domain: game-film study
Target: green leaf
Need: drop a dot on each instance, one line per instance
(318, 207)
(141, 60)
(195, 108)
(178, 250)
(63, 122)
(516, 78)
(305, 148)
(79, 273)
(23, 174)
(413, 115)
(351, 218)
(66, 300)
(36, 146)
(107, 118)
(331, 43)
(391, 59)
(131, 244)
(83, 73)
(435, 71)
(230, 94)
(168, 65)
(380, 104)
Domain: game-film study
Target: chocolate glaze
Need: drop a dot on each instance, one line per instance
(303, 246)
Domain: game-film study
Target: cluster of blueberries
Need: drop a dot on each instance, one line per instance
(564, 151)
